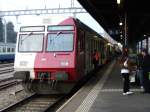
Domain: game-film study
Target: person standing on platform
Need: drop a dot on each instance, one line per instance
(146, 70)
(96, 58)
(125, 71)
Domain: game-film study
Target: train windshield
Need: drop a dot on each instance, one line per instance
(60, 42)
(32, 42)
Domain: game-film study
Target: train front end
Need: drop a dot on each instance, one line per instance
(45, 58)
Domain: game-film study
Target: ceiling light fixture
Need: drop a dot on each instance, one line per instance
(118, 2)
(120, 23)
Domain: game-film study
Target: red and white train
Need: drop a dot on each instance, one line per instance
(53, 58)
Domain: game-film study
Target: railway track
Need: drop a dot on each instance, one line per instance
(6, 71)
(8, 83)
(34, 103)
(6, 65)
(6, 68)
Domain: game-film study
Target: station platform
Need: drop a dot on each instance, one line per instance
(103, 93)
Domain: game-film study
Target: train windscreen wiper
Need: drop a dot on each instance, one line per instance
(58, 33)
(28, 35)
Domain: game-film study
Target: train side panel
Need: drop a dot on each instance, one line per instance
(7, 52)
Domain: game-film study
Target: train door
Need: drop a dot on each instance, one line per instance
(87, 52)
(81, 53)
(102, 53)
(98, 49)
(92, 48)
(148, 45)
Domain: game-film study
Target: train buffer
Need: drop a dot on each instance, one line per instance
(103, 93)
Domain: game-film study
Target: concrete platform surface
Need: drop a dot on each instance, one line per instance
(103, 93)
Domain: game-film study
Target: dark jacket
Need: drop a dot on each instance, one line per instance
(139, 61)
(146, 63)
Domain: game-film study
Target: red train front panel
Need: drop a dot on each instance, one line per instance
(58, 61)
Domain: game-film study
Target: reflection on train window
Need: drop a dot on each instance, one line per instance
(61, 42)
(33, 42)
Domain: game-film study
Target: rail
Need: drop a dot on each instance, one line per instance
(36, 103)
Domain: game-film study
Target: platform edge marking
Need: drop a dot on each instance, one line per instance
(89, 100)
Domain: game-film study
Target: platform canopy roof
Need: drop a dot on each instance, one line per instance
(135, 13)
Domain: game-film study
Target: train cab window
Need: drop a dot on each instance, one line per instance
(31, 43)
(60, 28)
(60, 42)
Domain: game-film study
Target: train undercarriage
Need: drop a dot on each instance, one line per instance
(44, 86)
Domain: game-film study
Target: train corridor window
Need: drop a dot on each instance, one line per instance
(12, 49)
(4, 49)
(32, 43)
(8, 49)
(61, 42)
(0, 49)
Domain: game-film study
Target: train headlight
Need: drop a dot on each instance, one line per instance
(64, 63)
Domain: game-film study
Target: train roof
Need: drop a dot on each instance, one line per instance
(78, 23)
